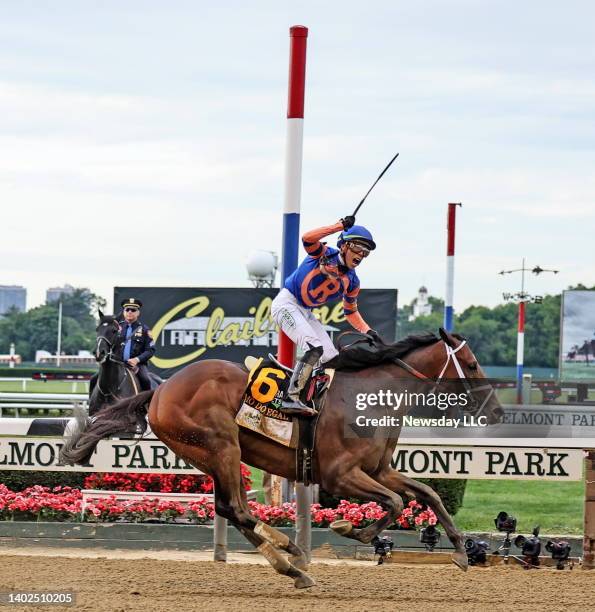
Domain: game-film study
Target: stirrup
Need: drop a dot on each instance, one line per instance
(298, 408)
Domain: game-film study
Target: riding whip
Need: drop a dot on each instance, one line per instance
(374, 185)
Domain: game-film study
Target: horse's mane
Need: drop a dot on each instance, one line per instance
(362, 354)
(401, 347)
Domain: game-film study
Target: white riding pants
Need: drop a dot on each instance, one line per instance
(301, 325)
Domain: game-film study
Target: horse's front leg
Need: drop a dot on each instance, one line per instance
(357, 483)
(403, 484)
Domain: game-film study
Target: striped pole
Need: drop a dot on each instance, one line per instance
(291, 228)
(298, 36)
(450, 265)
(520, 350)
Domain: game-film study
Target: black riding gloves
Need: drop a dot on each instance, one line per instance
(348, 222)
(375, 336)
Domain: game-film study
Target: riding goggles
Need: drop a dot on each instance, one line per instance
(358, 249)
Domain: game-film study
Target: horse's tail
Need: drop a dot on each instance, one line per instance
(125, 416)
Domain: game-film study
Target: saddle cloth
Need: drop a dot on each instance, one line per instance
(267, 383)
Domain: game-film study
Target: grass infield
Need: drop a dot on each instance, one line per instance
(556, 506)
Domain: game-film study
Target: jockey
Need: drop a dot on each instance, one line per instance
(325, 275)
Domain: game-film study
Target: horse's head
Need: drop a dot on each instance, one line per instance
(459, 363)
(107, 332)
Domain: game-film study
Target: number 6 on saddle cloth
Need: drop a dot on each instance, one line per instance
(267, 384)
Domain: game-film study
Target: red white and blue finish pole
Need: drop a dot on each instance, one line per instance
(298, 36)
(291, 229)
(450, 266)
(520, 350)
(520, 344)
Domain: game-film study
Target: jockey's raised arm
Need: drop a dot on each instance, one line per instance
(327, 274)
(311, 239)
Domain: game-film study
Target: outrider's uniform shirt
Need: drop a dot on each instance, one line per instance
(136, 342)
(322, 278)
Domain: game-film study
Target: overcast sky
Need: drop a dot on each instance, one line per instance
(142, 143)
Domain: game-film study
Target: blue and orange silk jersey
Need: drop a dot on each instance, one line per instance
(317, 281)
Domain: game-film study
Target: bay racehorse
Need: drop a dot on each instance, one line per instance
(193, 413)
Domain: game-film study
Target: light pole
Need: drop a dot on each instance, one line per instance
(59, 343)
(521, 298)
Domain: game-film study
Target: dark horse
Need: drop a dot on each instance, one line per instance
(193, 413)
(115, 381)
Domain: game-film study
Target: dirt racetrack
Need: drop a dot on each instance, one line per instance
(153, 585)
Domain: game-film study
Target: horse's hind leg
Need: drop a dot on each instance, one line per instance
(232, 504)
(222, 462)
(280, 540)
(358, 484)
(403, 484)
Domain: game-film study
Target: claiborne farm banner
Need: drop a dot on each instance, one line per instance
(189, 324)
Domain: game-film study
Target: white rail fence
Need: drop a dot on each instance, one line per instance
(15, 402)
(76, 385)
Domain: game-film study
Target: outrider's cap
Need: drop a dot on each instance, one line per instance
(131, 303)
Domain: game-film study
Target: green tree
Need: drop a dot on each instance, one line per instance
(492, 332)
(423, 324)
(37, 329)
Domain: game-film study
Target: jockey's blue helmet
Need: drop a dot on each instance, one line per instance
(357, 233)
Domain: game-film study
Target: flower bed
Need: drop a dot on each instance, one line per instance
(64, 504)
(164, 483)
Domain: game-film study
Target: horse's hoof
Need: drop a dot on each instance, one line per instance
(299, 563)
(460, 560)
(342, 527)
(304, 581)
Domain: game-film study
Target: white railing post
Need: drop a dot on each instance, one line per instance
(303, 522)
(219, 536)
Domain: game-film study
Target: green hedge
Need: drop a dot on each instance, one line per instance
(451, 491)
(17, 480)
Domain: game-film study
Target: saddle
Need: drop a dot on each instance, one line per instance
(268, 380)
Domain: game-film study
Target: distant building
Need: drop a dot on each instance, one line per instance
(83, 358)
(421, 305)
(12, 296)
(53, 294)
(8, 359)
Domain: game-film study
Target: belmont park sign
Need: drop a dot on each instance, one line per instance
(27, 453)
(146, 456)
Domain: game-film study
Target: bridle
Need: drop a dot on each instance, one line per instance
(470, 390)
(109, 355)
(451, 355)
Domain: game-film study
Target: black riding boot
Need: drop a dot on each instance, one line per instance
(292, 404)
(143, 377)
(93, 383)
